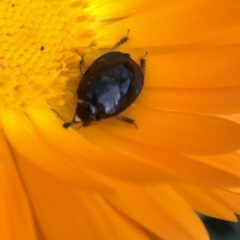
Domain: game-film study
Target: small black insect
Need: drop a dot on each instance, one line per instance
(109, 86)
(42, 48)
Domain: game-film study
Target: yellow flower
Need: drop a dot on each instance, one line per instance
(111, 181)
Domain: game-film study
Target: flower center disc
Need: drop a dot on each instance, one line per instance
(36, 39)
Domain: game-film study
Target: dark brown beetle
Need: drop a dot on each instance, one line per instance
(109, 86)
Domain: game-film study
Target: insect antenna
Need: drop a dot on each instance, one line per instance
(143, 63)
(118, 44)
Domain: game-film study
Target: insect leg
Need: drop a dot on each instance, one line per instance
(75, 120)
(67, 124)
(123, 40)
(81, 65)
(81, 62)
(143, 63)
(127, 120)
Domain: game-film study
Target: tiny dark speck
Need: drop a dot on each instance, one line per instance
(42, 48)
(13, 5)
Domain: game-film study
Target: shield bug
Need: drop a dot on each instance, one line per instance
(109, 86)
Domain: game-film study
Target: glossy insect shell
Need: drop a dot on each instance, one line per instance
(111, 84)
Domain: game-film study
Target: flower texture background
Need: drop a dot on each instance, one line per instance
(112, 181)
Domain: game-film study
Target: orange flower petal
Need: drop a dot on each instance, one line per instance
(124, 161)
(202, 202)
(180, 23)
(209, 67)
(228, 199)
(163, 165)
(87, 156)
(204, 101)
(229, 162)
(108, 9)
(128, 154)
(174, 131)
(68, 214)
(160, 214)
(14, 205)
(24, 138)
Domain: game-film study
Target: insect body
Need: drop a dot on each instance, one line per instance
(109, 86)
